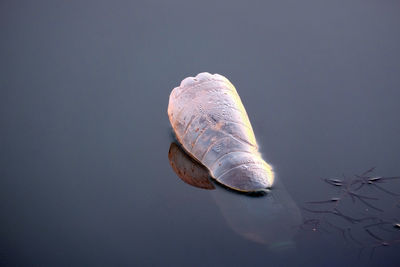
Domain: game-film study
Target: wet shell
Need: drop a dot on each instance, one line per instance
(212, 125)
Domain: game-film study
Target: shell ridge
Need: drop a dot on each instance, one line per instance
(239, 139)
(240, 165)
(230, 152)
(237, 122)
(188, 125)
(211, 146)
(249, 183)
(197, 138)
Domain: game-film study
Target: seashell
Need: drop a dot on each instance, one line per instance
(211, 123)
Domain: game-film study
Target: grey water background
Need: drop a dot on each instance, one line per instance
(84, 134)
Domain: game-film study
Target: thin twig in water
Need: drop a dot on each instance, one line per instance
(381, 241)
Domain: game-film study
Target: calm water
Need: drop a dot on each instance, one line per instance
(84, 135)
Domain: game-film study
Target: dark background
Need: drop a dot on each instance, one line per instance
(84, 134)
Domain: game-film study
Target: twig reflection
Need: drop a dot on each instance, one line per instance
(383, 232)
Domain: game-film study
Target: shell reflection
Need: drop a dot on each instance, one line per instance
(188, 169)
(269, 219)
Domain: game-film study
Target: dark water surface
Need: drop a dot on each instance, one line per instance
(84, 135)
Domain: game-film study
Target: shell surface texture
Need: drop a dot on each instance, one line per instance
(211, 124)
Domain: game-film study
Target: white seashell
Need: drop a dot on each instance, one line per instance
(212, 125)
